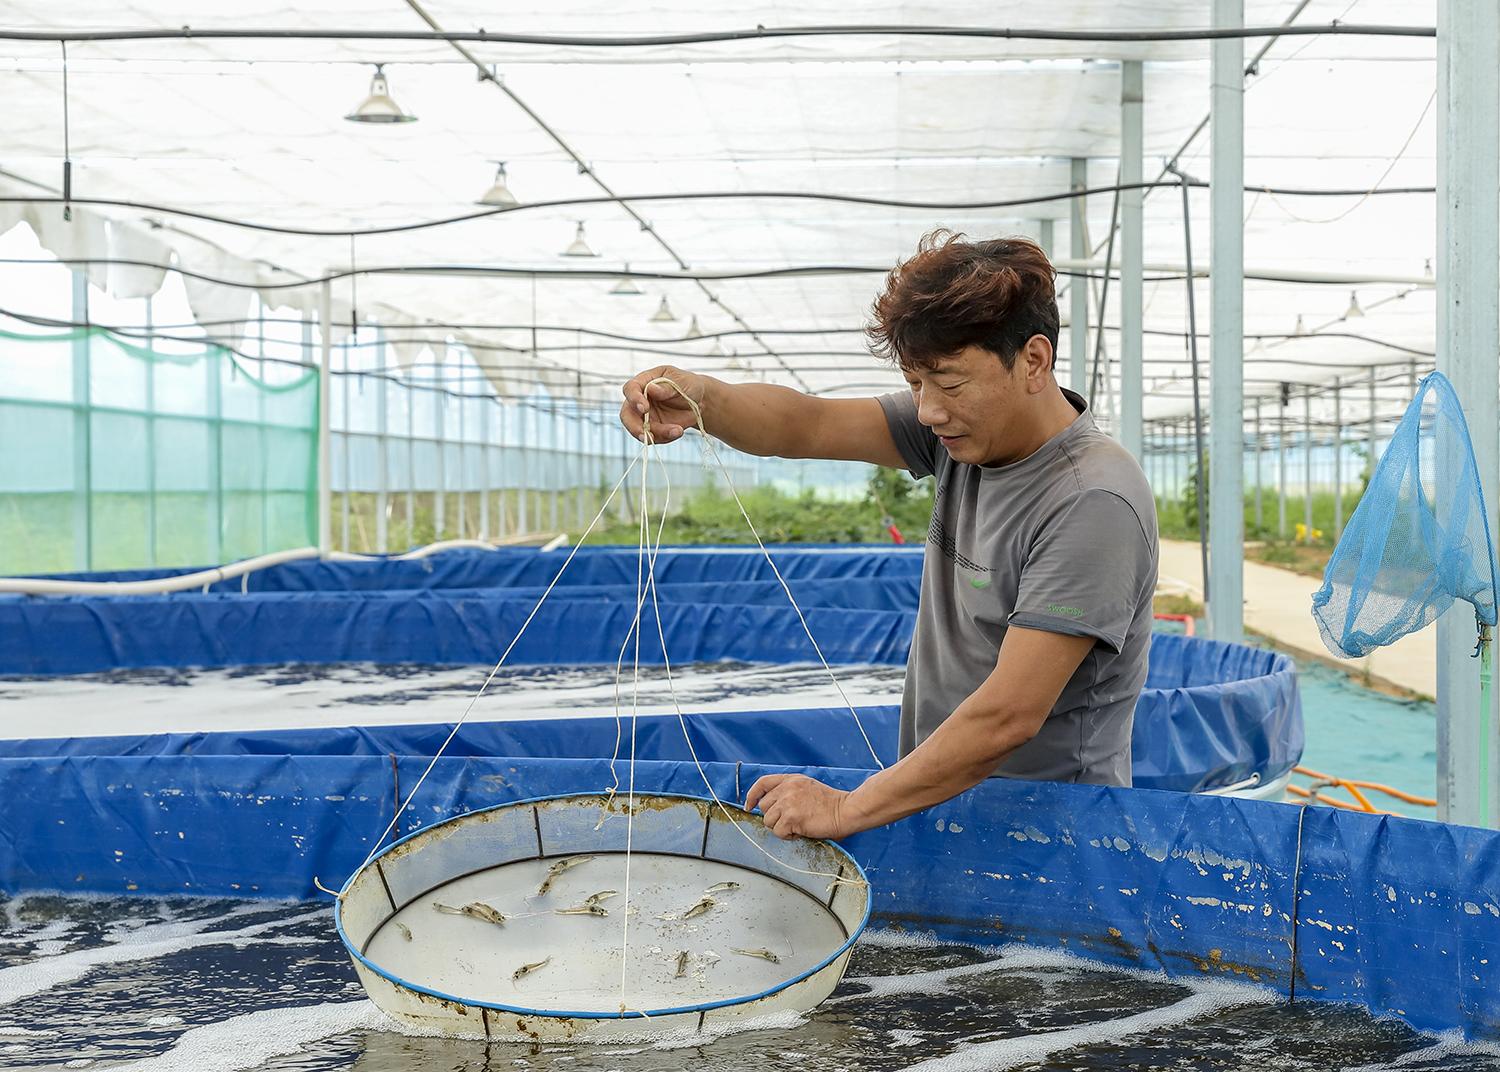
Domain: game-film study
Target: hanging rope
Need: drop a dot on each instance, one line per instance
(496, 669)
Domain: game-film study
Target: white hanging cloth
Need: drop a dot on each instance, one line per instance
(83, 238)
(128, 242)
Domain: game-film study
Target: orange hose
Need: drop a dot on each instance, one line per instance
(1297, 790)
(1185, 619)
(1352, 784)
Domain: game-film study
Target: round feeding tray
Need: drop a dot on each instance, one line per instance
(513, 922)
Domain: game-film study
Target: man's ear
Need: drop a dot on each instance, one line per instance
(1037, 353)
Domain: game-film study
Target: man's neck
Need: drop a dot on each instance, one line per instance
(1054, 413)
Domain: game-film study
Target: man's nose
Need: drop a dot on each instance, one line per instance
(929, 411)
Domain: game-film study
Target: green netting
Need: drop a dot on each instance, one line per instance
(114, 456)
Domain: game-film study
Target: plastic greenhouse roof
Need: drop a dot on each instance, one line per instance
(253, 129)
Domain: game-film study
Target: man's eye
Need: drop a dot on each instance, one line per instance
(952, 386)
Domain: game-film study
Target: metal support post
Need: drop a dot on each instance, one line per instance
(1132, 255)
(1307, 466)
(1260, 517)
(1281, 466)
(325, 442)
(1078, 287)
(1226, 512)
(1468, 337)
(1338, 462)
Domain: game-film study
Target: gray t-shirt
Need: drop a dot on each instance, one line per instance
(1063, 541)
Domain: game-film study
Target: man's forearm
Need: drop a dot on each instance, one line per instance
(759, 418)
(960, 754)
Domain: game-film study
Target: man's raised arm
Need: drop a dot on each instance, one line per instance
(761, 419)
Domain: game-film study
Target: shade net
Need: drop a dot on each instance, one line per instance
(114, 455)
(1419, 539)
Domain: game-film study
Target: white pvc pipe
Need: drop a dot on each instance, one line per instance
(41, 586)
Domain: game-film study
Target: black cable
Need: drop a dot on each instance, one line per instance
(659, 345)
(481, 270)
(759, 33)
(706, 195)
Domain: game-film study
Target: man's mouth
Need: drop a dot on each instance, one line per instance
(949, 440)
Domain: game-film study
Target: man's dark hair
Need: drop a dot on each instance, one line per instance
(952, 293)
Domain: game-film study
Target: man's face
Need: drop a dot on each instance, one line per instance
(969, 399)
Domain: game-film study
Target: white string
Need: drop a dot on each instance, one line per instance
(784, 587)
(635, 701)
(505, 655)
(646, 547)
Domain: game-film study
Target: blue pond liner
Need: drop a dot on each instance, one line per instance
(1398, 915)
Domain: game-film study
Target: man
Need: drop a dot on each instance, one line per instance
(1035, 612)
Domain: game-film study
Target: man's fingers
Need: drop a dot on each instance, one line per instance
(763, 785)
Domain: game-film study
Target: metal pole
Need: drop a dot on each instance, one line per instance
(1226, 524)
(1281, 465)
(325, 442)
(1374, 432)
(345, 452)
(1307, 466)
(383, 450)
(83, 511)
(484, 470)
(1260, 517)
(150, 442)
(1468, 337)
(1338, 462)
(523, 479)
(1078, 288)
(1132, 256)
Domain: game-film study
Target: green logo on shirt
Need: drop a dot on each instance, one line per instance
(1058, 608)
(979, 582)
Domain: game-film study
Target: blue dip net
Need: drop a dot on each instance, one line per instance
(1419, 539)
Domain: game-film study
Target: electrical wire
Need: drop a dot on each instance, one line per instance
(703, 195)
(758, 33)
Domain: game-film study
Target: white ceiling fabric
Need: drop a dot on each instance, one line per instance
(254, 129)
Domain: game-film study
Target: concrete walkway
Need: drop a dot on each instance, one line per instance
(1278, 605)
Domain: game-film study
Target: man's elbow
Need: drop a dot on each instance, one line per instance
(1004, 730)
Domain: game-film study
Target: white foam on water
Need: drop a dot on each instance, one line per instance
(1446, 1047)
(1207, 998)
(21, 1032)
(153, 940)
(365, 694)
(1022, 959)
(243, 1042)
(681, 1040)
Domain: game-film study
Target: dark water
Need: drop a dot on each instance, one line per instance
(213, 986)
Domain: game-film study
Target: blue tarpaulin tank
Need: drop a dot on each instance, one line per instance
(1312, 902)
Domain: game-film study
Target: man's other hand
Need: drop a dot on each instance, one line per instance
(794, 805)
(670, 413)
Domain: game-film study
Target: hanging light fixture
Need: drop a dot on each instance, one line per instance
(737, 365)
(663, 313)
(499, 195)
(1354, 309)
(580, 245)
(1301, 328)
(626, 285)
(378, 107)
(717, 349)
(694, 331)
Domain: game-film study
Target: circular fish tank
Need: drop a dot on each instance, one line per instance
(532, 922)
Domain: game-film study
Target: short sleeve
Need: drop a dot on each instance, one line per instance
(1087, 570)
(917, 444)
